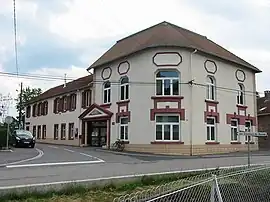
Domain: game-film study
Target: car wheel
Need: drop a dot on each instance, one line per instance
(32, 145)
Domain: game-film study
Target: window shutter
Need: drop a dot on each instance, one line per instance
(90, 97)
(69, 103)
(83, 99)
(75, 101)
(54, 105)
(61, 104)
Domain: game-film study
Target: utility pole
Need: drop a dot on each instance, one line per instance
(20, 108)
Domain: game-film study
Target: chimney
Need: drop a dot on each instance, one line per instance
(65, 81)
(267, 94)
(257, 94)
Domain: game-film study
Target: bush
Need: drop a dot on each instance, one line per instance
(3, 137)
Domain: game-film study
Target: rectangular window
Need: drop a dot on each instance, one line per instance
(55, 131)
(211, 129)
(44, 132)
(124, 128)
(27, 128)
(28, 111)
(63, 131)
(39, 132)
(248, 128)
(71, 131)
(124, 91)
(211, 92)
(167, 128)
(87, 98)
(234, 130)
(34, 131)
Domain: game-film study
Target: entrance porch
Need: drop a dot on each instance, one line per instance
(95, 126)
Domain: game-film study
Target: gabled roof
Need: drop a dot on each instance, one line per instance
(95, 106)
(72, 86)
(167, 35)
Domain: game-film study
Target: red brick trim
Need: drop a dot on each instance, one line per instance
(167, 142)
(236, 143)
(166, 110)
(211, 113)
(250, 143)
(122, 113)
(242, 119)
(212, 143)
(106, 105)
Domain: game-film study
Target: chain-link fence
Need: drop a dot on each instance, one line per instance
(237, 185)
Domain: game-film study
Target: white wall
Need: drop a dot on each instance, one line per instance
(64, 117)
(142, 78)
(225, 77)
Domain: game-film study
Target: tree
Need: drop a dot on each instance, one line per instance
(28, 94)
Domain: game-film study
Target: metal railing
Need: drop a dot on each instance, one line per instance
(237, 185)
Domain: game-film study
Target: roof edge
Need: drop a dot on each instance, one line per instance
(256, 70)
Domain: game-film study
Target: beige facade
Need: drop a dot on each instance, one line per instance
(166, 94)
(72, 136)
(193, 129)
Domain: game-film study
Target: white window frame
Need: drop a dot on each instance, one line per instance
(171, 79)
(108, 90)
(248, 130)
(237, 130)
(162, 124)
(241, 92)
(211, 126)
(125, 127)
(87, 98)
(211, 88)
(125, 86)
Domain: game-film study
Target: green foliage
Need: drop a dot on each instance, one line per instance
(3, 136)
(111, 189)
(28, 94)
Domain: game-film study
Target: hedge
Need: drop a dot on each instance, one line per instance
(3, 137)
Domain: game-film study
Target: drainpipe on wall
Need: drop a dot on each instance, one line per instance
(191, 103)
(80, 111)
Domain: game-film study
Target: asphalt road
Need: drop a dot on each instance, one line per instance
(86, 163)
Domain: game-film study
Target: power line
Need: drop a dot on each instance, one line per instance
(116, 82)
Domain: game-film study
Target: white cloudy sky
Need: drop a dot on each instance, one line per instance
(66, 36)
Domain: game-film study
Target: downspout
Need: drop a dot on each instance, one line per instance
(191, 104)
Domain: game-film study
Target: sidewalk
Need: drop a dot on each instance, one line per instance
(141, 154)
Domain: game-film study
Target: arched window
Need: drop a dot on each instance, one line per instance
(211, 88)
(107, 92)
(241, 94)
(124, 88)
(167, 82)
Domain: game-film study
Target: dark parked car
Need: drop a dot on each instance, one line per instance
(23, 138)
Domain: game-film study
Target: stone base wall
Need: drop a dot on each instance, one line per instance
(74, 142)
(176, 149)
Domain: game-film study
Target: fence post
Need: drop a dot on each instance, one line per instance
(215, 190)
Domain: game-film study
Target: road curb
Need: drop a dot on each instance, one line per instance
(179, 156)
(58, 185)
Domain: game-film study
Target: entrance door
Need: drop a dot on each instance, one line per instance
(98, 137)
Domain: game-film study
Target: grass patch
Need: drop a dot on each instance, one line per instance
(77, 193)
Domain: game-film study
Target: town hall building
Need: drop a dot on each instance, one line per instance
(168, 90)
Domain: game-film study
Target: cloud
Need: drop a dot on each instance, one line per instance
(66, 36)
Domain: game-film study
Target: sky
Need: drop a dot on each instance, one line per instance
(58, 37)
